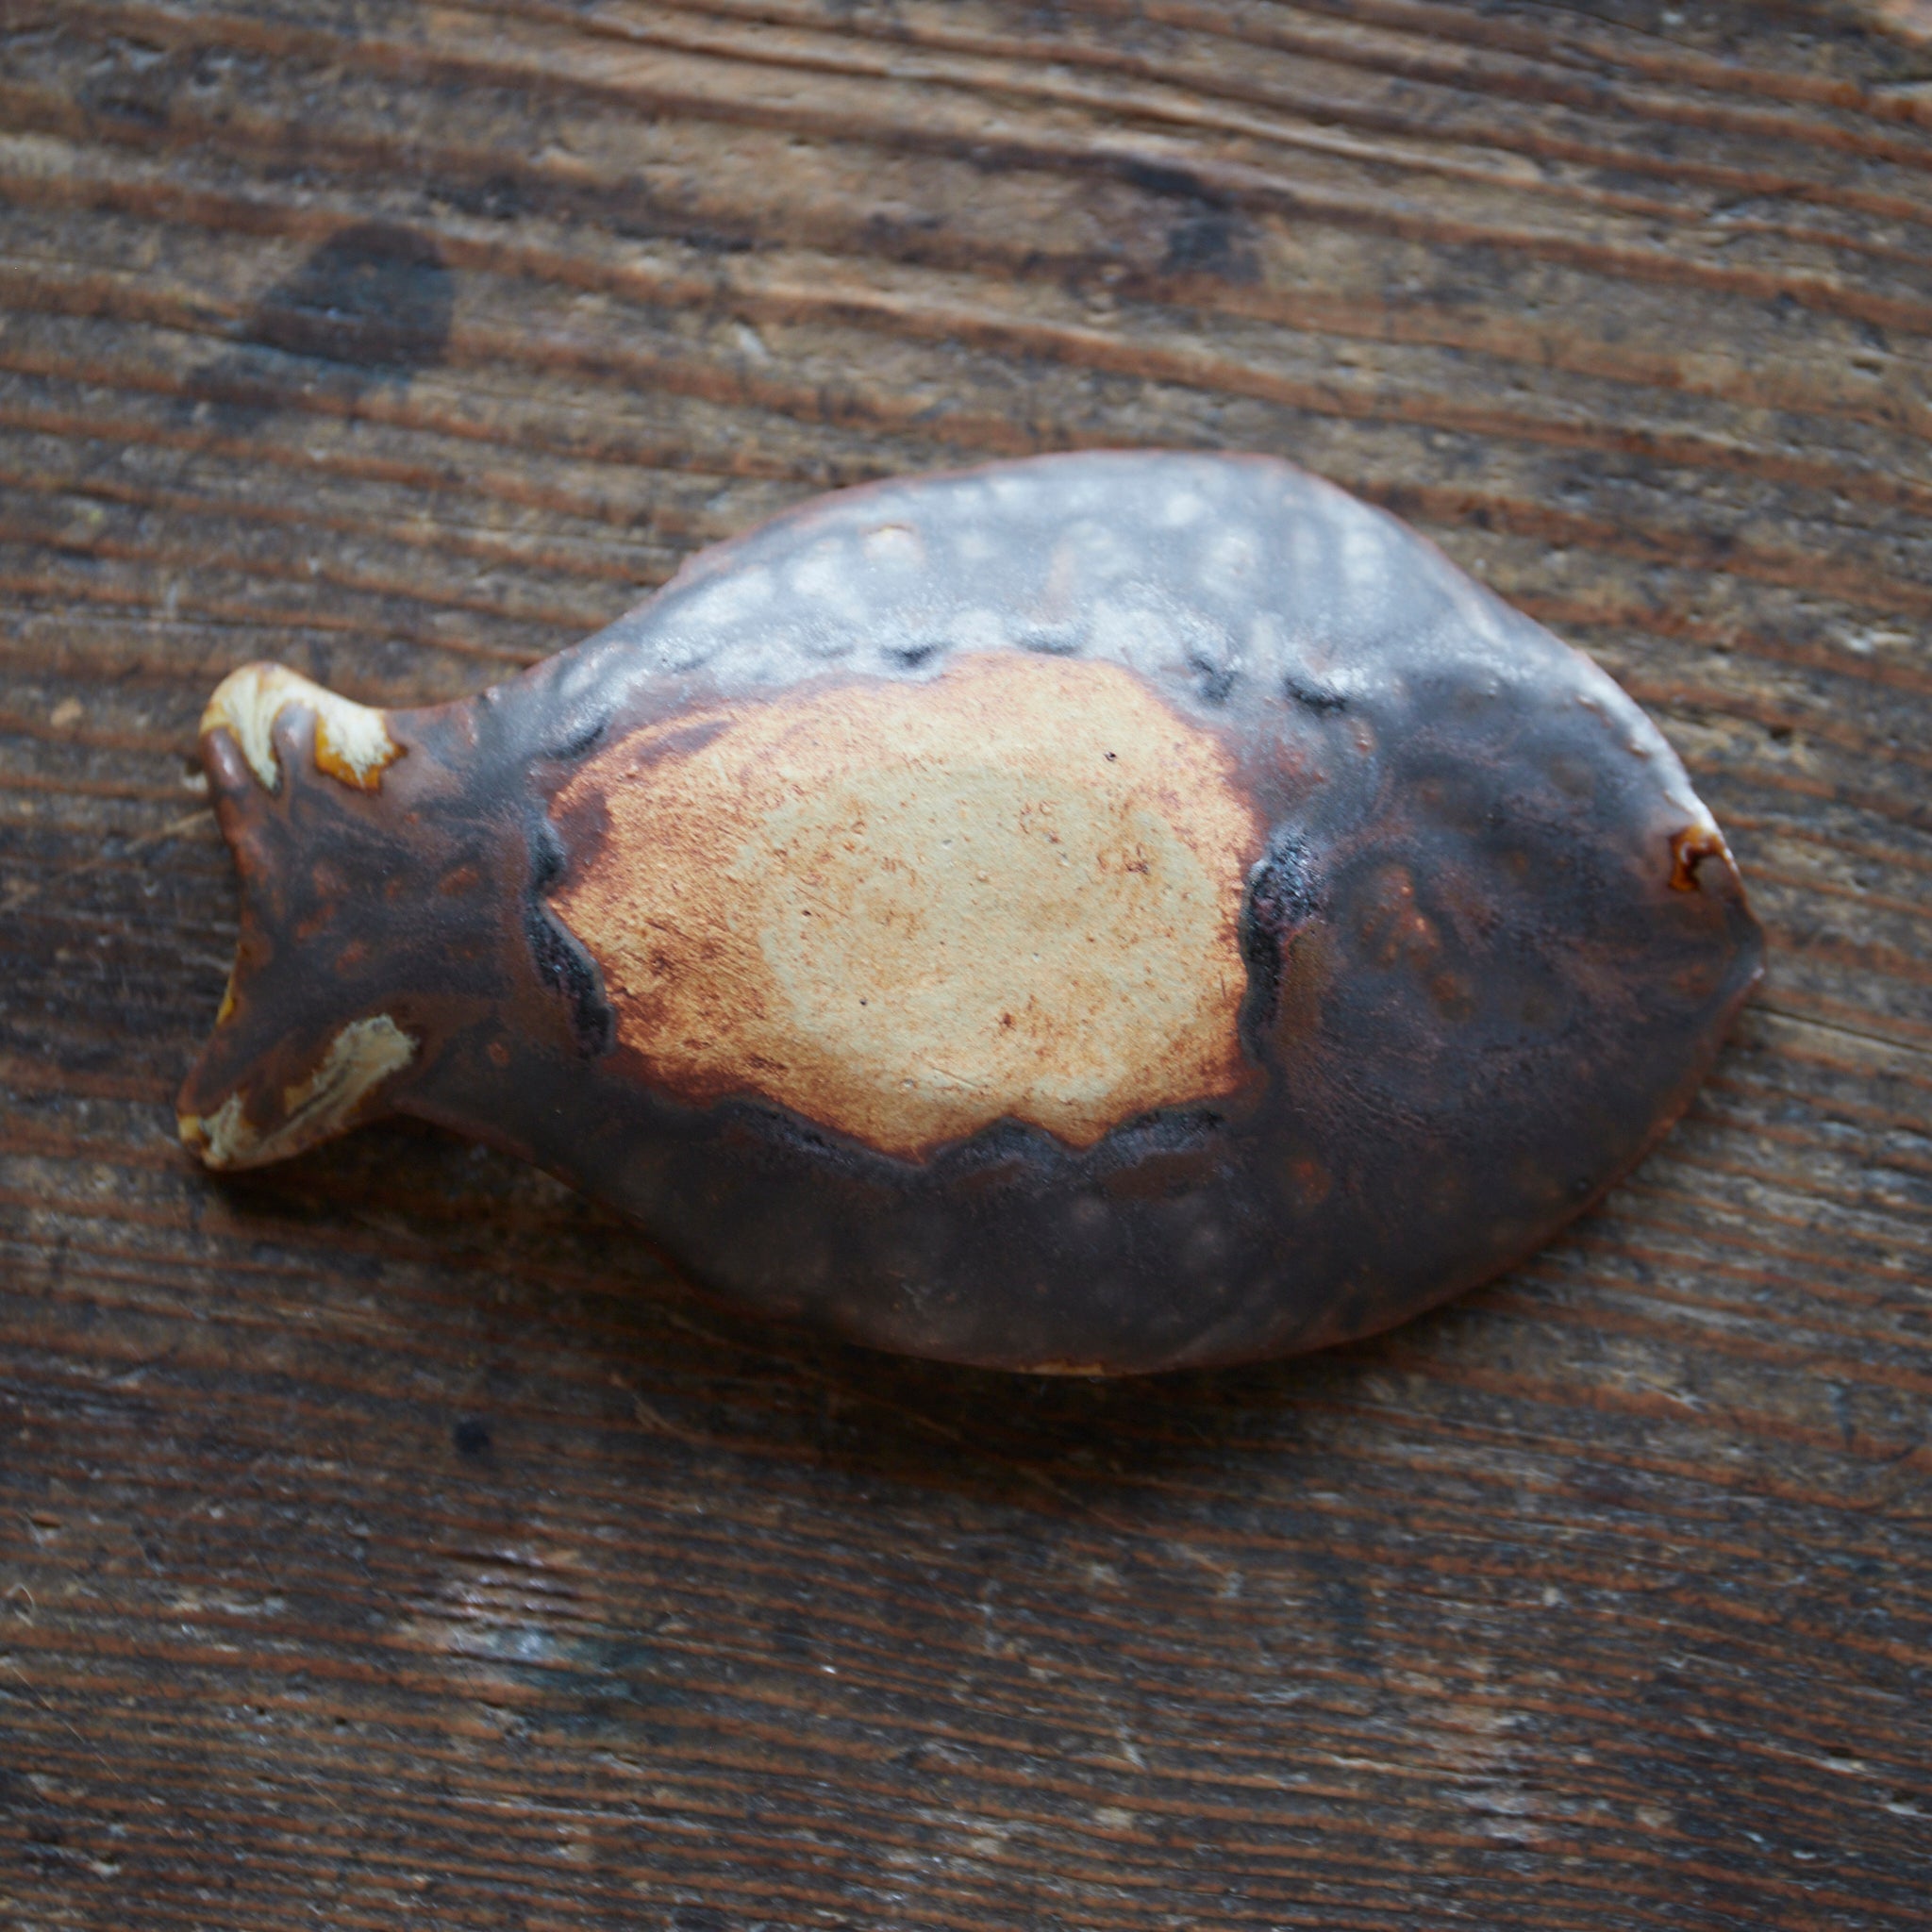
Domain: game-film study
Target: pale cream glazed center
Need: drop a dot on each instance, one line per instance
(905, 910)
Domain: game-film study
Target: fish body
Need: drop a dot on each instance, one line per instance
(1101, 913)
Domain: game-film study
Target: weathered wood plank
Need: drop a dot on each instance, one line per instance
(390, 1534)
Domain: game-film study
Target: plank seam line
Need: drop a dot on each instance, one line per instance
(1884, 1040)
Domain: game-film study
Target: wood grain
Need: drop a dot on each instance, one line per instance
(387, 1538)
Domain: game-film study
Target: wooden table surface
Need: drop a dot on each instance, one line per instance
(387, 1538)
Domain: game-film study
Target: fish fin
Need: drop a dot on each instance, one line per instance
(304, 1046)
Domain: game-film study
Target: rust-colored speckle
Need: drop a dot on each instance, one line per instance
(1688, 850)
(1454, 996)
(908, 911)
(1309, 1180)
(1393, 927)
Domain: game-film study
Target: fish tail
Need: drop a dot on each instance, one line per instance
(304, 1045)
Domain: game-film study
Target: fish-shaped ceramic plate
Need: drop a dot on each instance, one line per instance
(1100, 914)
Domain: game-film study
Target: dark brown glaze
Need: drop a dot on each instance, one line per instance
(1104, 913)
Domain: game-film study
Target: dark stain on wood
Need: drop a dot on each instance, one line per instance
(1603, 1597)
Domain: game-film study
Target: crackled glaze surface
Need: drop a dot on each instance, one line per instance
(908, 911)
